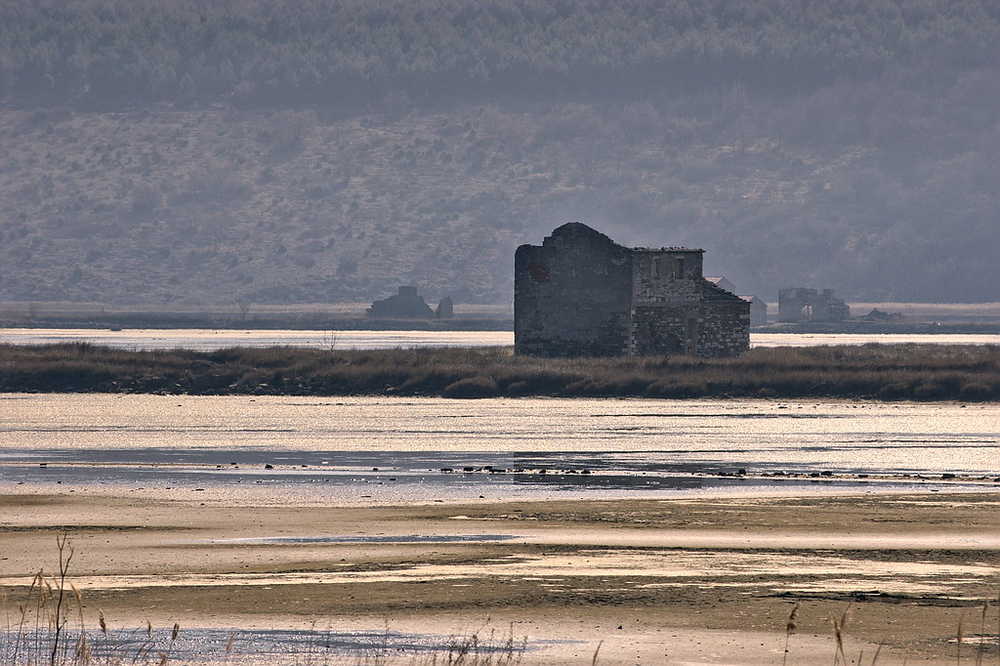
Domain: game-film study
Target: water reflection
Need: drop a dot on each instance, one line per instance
(396, 449)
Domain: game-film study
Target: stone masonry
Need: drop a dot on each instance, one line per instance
(582, 294)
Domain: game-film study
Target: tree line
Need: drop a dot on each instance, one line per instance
(106, 52)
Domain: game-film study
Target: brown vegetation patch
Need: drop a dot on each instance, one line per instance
(883, 372)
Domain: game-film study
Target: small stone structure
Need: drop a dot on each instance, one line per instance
(445, 308)
(406, 304)
(582, 294)
(799, 304)
(758, 309)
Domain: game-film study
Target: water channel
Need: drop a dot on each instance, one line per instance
(207, 339)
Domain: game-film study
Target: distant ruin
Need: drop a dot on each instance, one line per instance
(758, 306)
(445, 308)
(758, 310)
(406, 304)
(582, 294)
(799, 304)
(722, 282)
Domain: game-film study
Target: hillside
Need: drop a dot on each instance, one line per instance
(853, 148)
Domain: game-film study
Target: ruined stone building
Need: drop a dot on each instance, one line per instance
(406, 304)
(800, 304)
(582, 294)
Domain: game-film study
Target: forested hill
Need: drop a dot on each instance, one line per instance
(206, 151)
(112, 52)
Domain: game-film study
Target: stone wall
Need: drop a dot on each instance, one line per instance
(724, 330)
(664, 330)
(572, 295)
(671, 277)
(666, 301)
(711, 328)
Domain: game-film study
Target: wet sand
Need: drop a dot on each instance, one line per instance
(669, 581)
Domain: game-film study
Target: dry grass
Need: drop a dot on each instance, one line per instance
(884, 372)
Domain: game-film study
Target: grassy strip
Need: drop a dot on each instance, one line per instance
(885, 372)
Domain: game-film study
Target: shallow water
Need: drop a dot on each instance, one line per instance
(374, 450)
(274, 646)
(208, 339)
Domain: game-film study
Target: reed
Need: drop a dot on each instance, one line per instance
(39, 631)
(871, 372)
(790, 628)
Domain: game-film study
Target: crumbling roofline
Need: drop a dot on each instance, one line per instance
(667, 249)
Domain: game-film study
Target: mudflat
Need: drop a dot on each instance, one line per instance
(668, 581)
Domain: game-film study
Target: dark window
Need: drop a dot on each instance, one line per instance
(679, 269)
